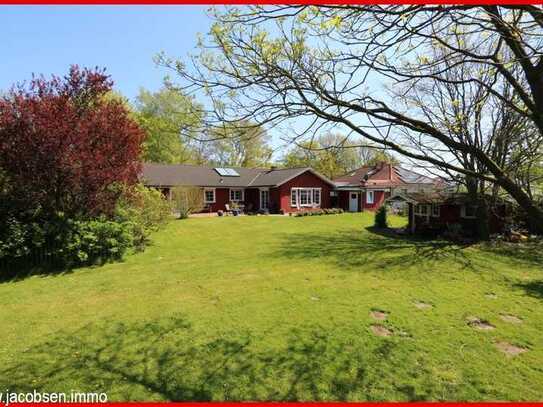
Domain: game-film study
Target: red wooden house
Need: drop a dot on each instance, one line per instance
(274, 190)
(367, 187)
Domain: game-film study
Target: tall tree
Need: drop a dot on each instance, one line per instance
(333, 154)
(169, 118)
(239, 144)
(64, 144)
(273, 64)
(380, 156)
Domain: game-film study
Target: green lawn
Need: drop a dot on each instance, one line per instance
(278, 308)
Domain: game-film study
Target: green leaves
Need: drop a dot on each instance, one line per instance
(165, 115)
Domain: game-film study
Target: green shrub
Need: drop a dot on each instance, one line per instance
(93, 241)
(187, 200)
(145, 210)
(64, 243)
(318, 212)
(17, 238)
(381, 217)
(28, 241)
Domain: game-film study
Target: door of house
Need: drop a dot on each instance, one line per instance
(353, 201)
(264, 199)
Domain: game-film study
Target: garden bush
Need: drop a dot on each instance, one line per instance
(381, 217)
(69, 166)
(187, 200)
(317, 212)
(60, 242)
(17, 238)
(145, 210)
(63, 243)
(93, 241)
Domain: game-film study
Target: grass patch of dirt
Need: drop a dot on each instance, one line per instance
(380, 330)
(511, 319)
(379, 315)
(423, 305)
(480, 324)
(509, 349)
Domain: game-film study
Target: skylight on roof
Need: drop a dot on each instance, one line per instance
(227, 172)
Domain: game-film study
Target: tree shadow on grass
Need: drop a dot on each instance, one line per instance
(13, 275)
(19, 270)
(527, 253)
(532, 288)
(378, 248)
(167, 360)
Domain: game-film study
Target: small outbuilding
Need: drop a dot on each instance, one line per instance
(439, 211)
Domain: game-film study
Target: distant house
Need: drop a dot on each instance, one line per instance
(274, 190)
(367, 187)
(438, 211)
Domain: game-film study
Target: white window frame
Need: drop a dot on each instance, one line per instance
(317, 192)
(260, 197)
(372, 200)
(463, 212)
(436, 214)
(293, 197)
(214, 195)
(418, 209)
(296, 201)
(307, 193)
(242, 194)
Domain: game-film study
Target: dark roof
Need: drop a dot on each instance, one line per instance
(277, 176)
(440, 197)
(354, 177)
(411, 177)
(421, 197)
(381, 175)
(185, 175)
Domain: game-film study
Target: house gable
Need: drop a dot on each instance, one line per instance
(308, 179)
(382, 175)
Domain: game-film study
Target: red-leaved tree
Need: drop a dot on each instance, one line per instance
(65, 145)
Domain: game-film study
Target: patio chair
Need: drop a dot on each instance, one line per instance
(234, 209)
(228, 210)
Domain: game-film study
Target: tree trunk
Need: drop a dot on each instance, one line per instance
(535, 80)
(475, 193)
(483, 228)
(534, 214)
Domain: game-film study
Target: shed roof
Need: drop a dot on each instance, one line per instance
(440, 197)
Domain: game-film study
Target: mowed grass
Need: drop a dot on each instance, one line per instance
(278, 308)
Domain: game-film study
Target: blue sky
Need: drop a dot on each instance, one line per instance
(47, 39)
(123, 39)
